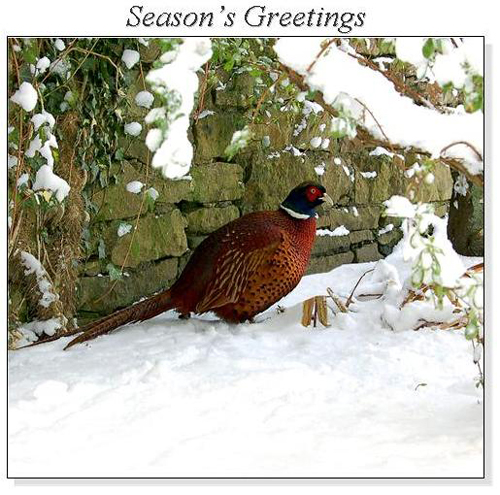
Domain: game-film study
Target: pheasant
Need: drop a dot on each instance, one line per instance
(239, 270)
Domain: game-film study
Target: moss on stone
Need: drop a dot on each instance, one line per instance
(326, 263)
(206, 220)
(367, 253)
(216, 182)
(155, 238)
(94, 293)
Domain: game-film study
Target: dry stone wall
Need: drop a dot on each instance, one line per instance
(279, 157)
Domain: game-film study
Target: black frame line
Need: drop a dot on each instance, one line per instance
(242, 478)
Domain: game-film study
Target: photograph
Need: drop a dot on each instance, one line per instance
(245, 257)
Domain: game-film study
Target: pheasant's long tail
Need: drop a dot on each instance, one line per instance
(141, 311)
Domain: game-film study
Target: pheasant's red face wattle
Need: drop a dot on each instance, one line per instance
(313, 193)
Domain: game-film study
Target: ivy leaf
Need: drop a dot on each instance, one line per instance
(429, 48)
(101, 249)
(229, 64)
(114, 272)
(120, 154)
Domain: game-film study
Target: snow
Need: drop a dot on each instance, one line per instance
(178, 77)
(205, 113)
(380, 151)
(369, 175)
(59, 44)
(123, 229)
(409, 49)
(133, 128)
(153, 193)
(12, 161)
(34, 146)
(399, 206)
(23, 179)
(38, 327)
(130, 58)
(337, 232)
(42, 65)
(388, 228)
(461, 186)
(429, 178)
(33, 266)
(155, 114)
(134, 186)
(422, 127)
(144, 99)
(201, 397)
(26, 97)
(432, 257)
(154, 139)
(47, 180)
(316, 142)
(41, 118)
(61, 67)
(320, 169)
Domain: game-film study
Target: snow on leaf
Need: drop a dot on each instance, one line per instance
(26, 96)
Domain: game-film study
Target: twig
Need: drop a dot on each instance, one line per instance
(349, 299)
(400, 86)
(203, 90)
(323, 50)
(264, 94)
(473, 148)
(336, 300)
(377, 122)
(376, 296)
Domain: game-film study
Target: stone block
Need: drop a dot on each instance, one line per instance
(353, 218)
(157, 236)
(239, 92)
(207, 220)
(214, 132)
(93, 295)
(371, 188)
(115, 202)
(327, 263)
(439, 190)
(335, 244)
(390, 238)
(367, 253)
(217, 181)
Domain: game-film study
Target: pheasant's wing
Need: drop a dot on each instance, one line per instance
(235, 267)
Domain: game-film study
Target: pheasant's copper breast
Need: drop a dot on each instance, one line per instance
(246, 266)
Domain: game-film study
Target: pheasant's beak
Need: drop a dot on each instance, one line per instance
(327, 199)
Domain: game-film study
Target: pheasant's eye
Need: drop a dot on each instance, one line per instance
(313, 190)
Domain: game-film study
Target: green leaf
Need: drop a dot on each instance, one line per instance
(120, 154)
(229, 64)
(101, 249)
(114, 272)
(429, 48)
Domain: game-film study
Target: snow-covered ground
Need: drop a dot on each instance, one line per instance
(204, 398)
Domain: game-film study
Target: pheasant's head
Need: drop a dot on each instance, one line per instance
(302, 200)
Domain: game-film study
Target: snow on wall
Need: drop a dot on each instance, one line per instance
(421, 127)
